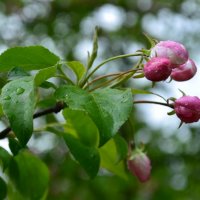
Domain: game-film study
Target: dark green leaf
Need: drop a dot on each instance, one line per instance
(44, 74)
(3, 189)
(18, 103)
(17, 72)
(109, 158)
(4, 158)
(78, 68)
(83, 127)
(88, 157)
(29, 174)
(47, 85)
(28, 58)
(108, 108)
(15, 146)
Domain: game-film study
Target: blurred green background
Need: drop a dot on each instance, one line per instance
(66, 28)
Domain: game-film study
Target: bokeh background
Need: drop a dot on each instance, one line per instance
(66, 28)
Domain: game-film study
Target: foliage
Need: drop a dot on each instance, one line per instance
(100, 120)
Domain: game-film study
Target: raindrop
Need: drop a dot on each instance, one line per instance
(20, 91)
(7, 98)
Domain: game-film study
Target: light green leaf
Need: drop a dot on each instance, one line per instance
(3, 189)
(108, 108)
(44, 74)
(138, 91)
(121, 147)
(88, 157)
(28, 58)
(78, 68)
(18, 103)
(83, 127)
(109, 158)
(4, 158)
(29, 174)
(17, 72)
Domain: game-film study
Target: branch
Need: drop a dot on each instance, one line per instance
(60, 105)
(55, 109)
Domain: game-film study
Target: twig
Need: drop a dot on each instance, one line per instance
(55, 109)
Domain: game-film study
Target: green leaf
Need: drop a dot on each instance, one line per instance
(44, 74)
(137, 91)
(108, 108)
(93, 55)
(17, 72)
(4, 158)
(29, 174)
(47, 85)
(110, 158)
(88, 157)
(84, 128)
(121, 147)
(151, 40)
(78, 68)
(3, 189)
(28, 58)
(14, 146)
(18, 103)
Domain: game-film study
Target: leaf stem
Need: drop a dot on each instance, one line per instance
(109, 81)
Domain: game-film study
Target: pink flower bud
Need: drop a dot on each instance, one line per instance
(157, 69)
(184, 72)
(174, 51)
(139, 165)
(187, 108)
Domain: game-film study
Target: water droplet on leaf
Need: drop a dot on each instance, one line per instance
(20, 90)
(7, 98)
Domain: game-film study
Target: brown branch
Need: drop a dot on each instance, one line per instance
(55, 109)
(60, 105)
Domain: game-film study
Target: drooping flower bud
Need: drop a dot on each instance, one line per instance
(187, 108)
(139, 165)
(174, 51)
(157, 69)
(184, 72)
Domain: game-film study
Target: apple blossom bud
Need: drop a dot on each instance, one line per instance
(157, 69)
(174, 51)
(139, 165)
(187, 108)
(184, 72)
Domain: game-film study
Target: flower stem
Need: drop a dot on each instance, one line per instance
(154, 102)
(106, 61)
(111, 80)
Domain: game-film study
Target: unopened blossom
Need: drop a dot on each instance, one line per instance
(187, 108)
(139, 165)
(157, 69)
(184, 72)
(174, 51)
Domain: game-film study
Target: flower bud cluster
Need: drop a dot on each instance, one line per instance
(169, 58)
